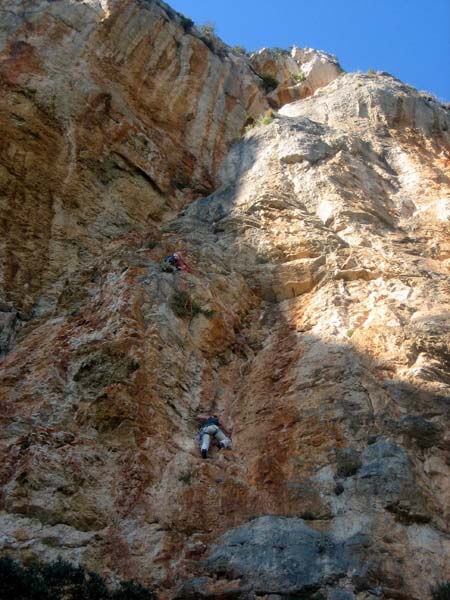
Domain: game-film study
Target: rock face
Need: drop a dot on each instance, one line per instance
(283, 556)
(109, 110)
(298, 73)
(314, 320)
(113, 115)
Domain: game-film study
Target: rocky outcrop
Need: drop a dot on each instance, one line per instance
(313, 320)
(278, 555)
(298, 73)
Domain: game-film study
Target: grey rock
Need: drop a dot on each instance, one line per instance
(423, 432)
(203, 587)
(305, 144)
(104, 368)
(385, 464)
(341, 595)
(195, 588)
(367, 575)
(386, 473)
(376, 99)
(283, 555)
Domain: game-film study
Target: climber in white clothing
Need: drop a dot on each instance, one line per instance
(211, 428)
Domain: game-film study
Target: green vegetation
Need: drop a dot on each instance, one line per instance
(167, 267)
(207, 35)
(264, 119)
(183, 305)
(208, 29)
(186, 478)
(269, 83)
(279, 51)
(240, 50)
(186, 23)
(349, 333)
(371, 72)
(441, 591)
(61, 580)
(267, 118)
(130, 590)
(298, 77)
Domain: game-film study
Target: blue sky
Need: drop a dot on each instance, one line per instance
(408, 38)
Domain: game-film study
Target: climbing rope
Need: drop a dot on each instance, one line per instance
(182, 284)
(183, 287)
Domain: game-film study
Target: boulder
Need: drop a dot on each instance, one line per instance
(282, 556)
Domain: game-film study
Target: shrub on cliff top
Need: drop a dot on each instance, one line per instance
(240, 50)
(208, 35)
(61, 580)
(280, 51)
(185, 22)
(208, 29)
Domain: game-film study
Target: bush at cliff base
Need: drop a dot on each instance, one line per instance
(61, 581)
(441, 591)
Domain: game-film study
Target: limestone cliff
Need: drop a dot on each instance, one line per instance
(109, 112)
(113, 114)
(314, 318)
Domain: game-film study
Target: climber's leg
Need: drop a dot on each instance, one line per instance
(222, 439)
(204, 444)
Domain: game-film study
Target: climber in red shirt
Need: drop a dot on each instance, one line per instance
(176, 260)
